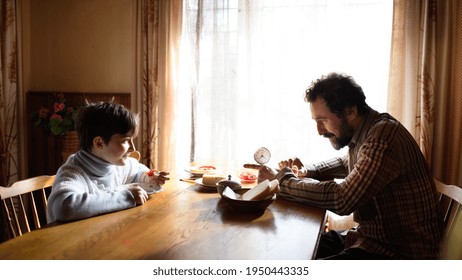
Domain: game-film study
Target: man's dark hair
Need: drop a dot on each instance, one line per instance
(339, 91)
(104, 119)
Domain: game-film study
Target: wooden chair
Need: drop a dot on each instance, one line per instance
(451, 249)
(20, 207)
(450, 201)
(136, 155)
(19, 202)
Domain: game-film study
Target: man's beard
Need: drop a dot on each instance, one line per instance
(346, 133)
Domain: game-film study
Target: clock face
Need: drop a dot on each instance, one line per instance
(262, 155)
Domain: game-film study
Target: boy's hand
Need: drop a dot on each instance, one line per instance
(139, 194)
(157, 177)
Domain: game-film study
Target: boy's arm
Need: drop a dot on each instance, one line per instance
(75, 197)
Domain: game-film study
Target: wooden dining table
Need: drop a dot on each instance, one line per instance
(185, 221)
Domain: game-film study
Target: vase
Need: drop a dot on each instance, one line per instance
(70, 144)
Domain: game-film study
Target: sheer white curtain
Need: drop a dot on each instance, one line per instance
(245, 66)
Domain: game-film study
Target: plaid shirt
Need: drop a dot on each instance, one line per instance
(387, 185)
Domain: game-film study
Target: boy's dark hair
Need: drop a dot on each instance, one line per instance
(339, 91)
(104, 119)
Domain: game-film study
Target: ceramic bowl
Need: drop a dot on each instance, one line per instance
(248, 205)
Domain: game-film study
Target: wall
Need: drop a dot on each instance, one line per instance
(73, 46)
(77, 45)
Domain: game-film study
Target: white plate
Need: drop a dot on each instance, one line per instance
(199, 181)
(149, 188)
(193, 174)
(197, 172)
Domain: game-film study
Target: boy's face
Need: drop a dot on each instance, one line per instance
(117, 149)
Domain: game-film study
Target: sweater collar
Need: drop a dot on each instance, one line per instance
(94, 166)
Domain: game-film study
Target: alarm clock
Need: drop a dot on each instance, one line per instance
(262, 155)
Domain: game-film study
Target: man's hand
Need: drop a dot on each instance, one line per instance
(252, 166)
(296, 165)
(290, 163)
(266, 173)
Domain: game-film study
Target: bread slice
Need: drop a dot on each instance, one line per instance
(258, 192)
(274, 186)
(229, 193)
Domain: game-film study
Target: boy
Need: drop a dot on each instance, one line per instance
(96, 179)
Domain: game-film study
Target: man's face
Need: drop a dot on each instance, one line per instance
(330, 126)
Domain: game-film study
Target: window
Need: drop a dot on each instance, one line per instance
(245, 66)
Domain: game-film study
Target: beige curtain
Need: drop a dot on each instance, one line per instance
(425, 85)
(158, 39)
(8, 92)
(251, 61)
(8, 99)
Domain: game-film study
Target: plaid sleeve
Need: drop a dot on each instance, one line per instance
(329, 169)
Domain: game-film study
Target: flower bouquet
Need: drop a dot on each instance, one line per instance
(57, 122)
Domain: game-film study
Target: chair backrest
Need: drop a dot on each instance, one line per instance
(20, 205)
(450, 201)
(136, 155)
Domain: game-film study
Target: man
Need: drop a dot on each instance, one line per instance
(387, 183)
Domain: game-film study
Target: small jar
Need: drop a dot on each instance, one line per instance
(232, 184)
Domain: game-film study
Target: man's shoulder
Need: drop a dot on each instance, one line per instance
(386, 127)
(386, 118)
(385, 121)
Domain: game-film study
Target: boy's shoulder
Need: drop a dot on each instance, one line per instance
(71, 167)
